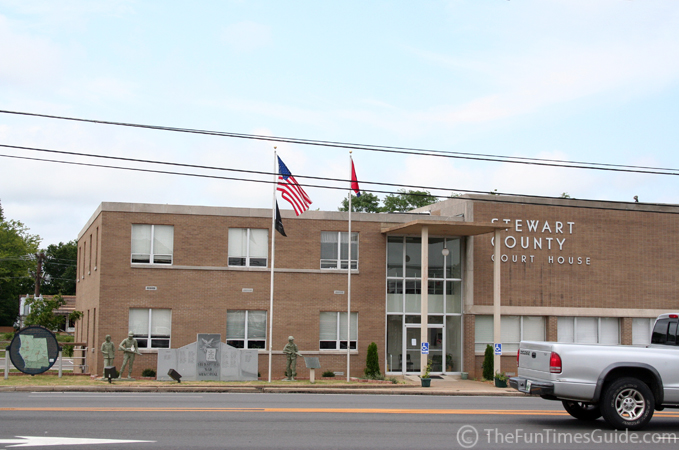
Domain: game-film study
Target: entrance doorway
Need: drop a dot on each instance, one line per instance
(414, 351)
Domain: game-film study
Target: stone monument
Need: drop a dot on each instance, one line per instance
(208, 359)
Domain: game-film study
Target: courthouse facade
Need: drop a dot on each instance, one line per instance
(570, 270)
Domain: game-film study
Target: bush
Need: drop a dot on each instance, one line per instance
(372, 363)
(6, 336)
(148, 373)
(67, 349)
(488, 363)
(328, 374)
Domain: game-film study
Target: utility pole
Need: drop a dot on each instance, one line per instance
(38, 273)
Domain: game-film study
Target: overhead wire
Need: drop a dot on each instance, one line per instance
(381, 148)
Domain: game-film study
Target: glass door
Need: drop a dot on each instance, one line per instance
(412, 363)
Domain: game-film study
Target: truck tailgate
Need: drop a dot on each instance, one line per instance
(534, 357)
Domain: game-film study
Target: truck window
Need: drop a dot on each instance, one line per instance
(659, 335)
(672, 333)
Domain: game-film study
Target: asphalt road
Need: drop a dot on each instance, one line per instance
(307, 421)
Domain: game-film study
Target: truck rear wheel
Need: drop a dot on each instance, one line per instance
(581, 410)
(627, 403)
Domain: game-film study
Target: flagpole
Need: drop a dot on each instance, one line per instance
(273, 255)
(349, 286)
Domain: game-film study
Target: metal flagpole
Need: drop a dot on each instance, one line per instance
(349, 285)
(273, 254)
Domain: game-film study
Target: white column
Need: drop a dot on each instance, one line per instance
(424, 307)
(497, 328)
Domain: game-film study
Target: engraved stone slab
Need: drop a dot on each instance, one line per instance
(209, 357)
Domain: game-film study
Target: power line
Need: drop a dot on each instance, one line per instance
(382, 148)
(468, 191)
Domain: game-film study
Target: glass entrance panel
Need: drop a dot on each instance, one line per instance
(412, 363)
(435, 337)
(394, 343)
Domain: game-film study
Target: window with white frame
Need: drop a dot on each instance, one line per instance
(151, 327)
(514, 330)
(641, 330)
(152, 244)
(335, 250)
(248, 247)
(589, 330)
(246, 329)
(333, 330)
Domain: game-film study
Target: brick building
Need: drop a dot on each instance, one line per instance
(571, 270)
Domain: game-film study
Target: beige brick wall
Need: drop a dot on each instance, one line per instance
(200, 295)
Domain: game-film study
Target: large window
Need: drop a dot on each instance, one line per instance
(335, 250)
(334, 330)
(514, 330)
(589, 330)
(151, 327)
(248, 247)
(152, 244)
(641, 331)
(246, 329)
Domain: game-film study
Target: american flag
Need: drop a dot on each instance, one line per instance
(291, 190)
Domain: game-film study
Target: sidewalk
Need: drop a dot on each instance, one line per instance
(446, 385)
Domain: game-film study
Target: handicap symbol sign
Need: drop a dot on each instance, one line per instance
(425, 348)
(498, 349)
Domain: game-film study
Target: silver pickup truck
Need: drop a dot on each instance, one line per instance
(624, 384)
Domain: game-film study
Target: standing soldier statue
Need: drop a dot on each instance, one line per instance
(291, 354)
(129, 346)
(109, 351)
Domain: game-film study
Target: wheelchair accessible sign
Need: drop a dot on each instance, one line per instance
(425, 348)
(498, 349)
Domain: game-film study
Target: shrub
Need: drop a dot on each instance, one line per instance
(148, 373)
(372, 362)
(328, 374)
(67, 349)
(488, 363)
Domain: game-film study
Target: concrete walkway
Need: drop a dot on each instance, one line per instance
(446, 385)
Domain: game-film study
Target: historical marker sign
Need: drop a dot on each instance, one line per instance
(34, 350)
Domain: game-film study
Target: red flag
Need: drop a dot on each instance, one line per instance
(354, 181)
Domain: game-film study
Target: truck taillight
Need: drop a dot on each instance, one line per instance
(517, 358)
(554, 363)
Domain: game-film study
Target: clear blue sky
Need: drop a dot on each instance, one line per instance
(583, 80)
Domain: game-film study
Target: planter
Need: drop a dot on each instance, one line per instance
(464, 375)
(500, 383)
(426, 382)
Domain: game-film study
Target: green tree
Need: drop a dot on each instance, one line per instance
(372, 362)
(407, 200)
(60, 269)
(367, 202)
(17, 246)
(488, 363)
(42, 312)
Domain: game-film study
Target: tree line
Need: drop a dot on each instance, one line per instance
(19, 250)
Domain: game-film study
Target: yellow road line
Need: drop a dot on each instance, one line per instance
(515, 412)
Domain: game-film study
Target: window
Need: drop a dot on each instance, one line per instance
(514, 330)
(151, 327)
(246, 329)
(334, 330)
(589, 330)
(641, 331)
(248, 247)
(335, 250)
(152, 244)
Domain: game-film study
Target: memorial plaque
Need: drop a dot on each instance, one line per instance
(34, 350)
(208, 358)
(198, 361)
